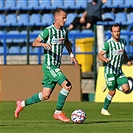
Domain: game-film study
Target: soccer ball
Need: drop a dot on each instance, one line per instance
(78, 116)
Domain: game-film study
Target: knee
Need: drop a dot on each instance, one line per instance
(68, 85)
(88, 25)
(69, 88)
(125, 90)
(127, 87)
(45, 96)
(112, 93)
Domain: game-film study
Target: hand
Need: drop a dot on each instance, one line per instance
(46, 46)
(129, 63)
(74, 61)
(107, 60)
(104, 1)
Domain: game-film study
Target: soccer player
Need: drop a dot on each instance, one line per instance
(114, 76)
(53, 38)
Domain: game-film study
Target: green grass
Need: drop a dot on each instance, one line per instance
(39, 118)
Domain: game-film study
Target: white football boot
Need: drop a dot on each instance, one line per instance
(104, 112)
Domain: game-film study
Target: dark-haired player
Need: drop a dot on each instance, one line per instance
(114, 49)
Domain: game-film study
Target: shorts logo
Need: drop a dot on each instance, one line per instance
(110, 83)
(111, 79)
(57, 70)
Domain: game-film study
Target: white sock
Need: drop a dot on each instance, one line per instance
(120, 89)
(109, 97)
(57, 111)
(40, 96)
(23, 103)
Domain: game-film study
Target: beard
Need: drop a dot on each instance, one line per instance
(116, 37)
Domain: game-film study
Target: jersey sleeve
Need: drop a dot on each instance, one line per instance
(44, 34)
(105, 47)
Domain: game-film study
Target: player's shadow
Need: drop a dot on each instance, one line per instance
(93, 122)
(98, 122)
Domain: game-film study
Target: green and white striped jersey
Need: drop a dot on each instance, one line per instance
(115, 52)
(56, 38)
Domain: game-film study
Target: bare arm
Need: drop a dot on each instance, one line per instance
(69, 48)
(38, 43)
(68, 45)
(82, 19)
(129, 63)
(84, 14)
(102, 58)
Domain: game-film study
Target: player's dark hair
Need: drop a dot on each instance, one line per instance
(115, 25)
(58, 10)
(95, 1)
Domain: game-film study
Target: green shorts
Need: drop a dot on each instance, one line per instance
(113, 81)
(52, 76)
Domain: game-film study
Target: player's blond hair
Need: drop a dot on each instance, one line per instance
(58, 10)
